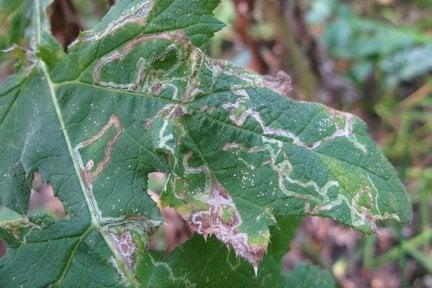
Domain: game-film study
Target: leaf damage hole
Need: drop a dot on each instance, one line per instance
(69, 17)
(42, 198)
(223, 220)
(175, 230)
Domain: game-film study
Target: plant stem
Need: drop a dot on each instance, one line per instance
(301, 66)
(406, 247)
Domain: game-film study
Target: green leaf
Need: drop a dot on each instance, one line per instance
(199, 263)
(399, 53)
(257, 153)
(135, 95)
(407, 64)
(309, 276)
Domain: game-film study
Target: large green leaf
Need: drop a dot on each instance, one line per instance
(200, 263)
(256, 153)
(307, 276)
(136, 95)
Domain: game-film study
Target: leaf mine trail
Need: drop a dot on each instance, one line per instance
(238, 153)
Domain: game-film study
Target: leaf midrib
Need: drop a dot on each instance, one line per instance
(93, 214)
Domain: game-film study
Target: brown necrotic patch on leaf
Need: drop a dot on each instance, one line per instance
(135, 14)
(125, 246)
(3, 247)
(222, 219)
(42, 198)
(281, 83)
(143, 65)
(89, 170)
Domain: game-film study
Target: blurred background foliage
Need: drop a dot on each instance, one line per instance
(372, 58)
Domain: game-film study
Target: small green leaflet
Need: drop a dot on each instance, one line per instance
(210, 264)
(199, 263)
(137, 95)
